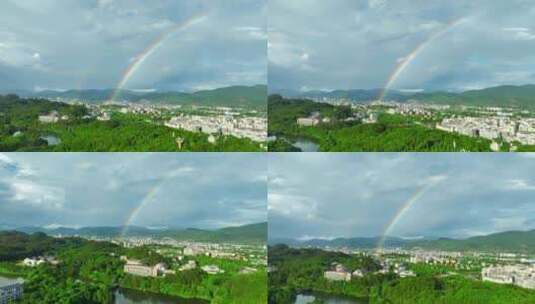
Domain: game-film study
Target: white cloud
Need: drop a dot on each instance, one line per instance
(31, 193)
(292, 205)
(253, 32)
(377, 4)
(520, 33)
(305, 238)
(520, 185)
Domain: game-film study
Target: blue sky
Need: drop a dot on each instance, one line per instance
(343, 44)
(62, 44)
(96, 189)
(326, 195)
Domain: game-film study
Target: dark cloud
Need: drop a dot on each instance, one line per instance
(59, 44)
(361, 194)
(358, 44)
(92, 189)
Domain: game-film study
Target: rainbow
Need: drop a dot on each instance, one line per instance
(138, 60)
(406, 61)
(406, 206)
(149, 197)
(135, 212)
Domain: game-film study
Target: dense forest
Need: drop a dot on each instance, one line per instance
(390, 134)
(298, 270)
(88, 272)
(20, 130)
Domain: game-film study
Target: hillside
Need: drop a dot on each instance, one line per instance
(506, 95)
(234, 96)
(358, 95)
(356, 242)
(253, 233)
(509, 241)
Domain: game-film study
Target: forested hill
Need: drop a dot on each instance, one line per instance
(510, 241)
(521, 96)
(234, 96)
(356, 242)
(507, 95)
(253, 233)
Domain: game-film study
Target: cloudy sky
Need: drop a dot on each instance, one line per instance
(95, 189)
(455, 45)
(63, 44)
(348, 195)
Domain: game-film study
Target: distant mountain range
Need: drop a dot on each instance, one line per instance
(253, 233)
(234, 96)
(517, 241)
(356, 242)
(507, 95)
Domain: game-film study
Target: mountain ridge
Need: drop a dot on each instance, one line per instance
(504, 95)
(519, 241)
(249, 233)
(233, 96)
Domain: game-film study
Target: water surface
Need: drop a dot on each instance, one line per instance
(306, 145)
(128, 296)
(309, 297)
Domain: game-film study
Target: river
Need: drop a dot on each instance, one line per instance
(306, 145)
(309, 297)
(128, 296)
(52, 140)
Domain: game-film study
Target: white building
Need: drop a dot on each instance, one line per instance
(10, 290)
(339, 273)
(520, 275)
(211, 269)
(32, 262)
(308, 121)
(51, 117)
(194, 250)
(190, 265)
(135, 267)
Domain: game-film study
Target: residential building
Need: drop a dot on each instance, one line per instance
(10, 290)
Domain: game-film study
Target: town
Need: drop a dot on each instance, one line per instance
(503, 267)
(513, 125)
(215, 121)
(213, 259)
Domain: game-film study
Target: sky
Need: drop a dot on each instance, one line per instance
(359, 44)
(328, 195)
(63, 44)
(200, 190)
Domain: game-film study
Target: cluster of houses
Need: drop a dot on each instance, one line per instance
(137, 268)
(435, 257)
(339, 272)
(509, 129)
(315, 118)
(521, 275)
(254, 128)
(52, 117)
(36, 261)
